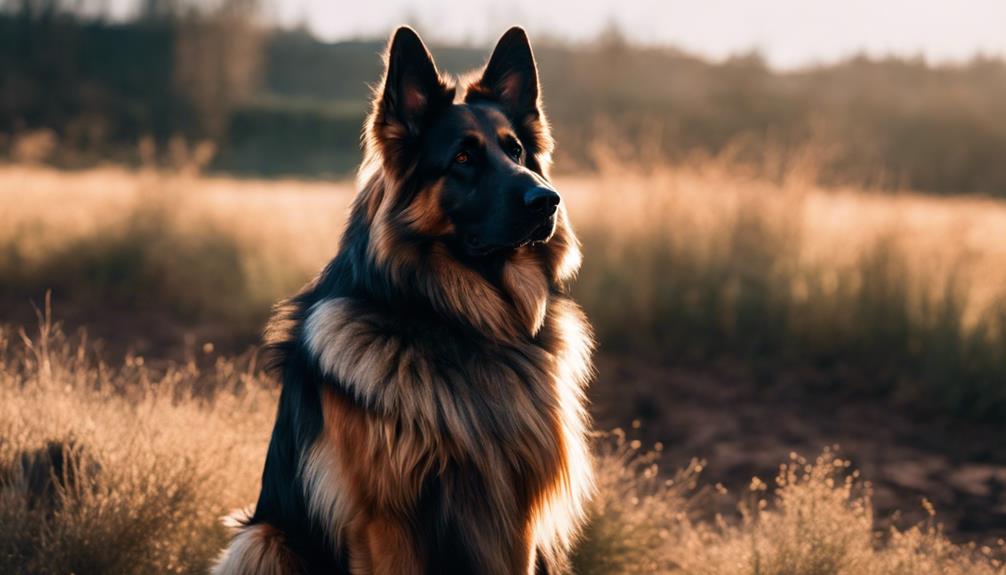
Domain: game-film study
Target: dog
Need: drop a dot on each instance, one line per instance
(432, 415)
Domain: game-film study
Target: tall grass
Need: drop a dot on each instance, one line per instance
(814, 519)
(143, 261)
(117, 469)
(121, 469)
(908, 292)
(129, 243)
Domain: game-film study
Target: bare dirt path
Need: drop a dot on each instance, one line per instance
(745, 428)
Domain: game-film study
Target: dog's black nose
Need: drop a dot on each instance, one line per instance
(541, 201)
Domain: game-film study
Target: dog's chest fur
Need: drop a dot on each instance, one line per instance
(422, 420)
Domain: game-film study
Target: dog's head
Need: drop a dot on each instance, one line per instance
(469, 168)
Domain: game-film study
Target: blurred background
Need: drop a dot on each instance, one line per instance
(794, 216)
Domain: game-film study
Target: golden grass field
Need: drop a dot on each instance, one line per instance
(686, 265)
(909, 289)
(150, 462)
(299, 222)
(292, 227)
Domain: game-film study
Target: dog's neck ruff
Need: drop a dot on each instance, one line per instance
(373, 358)
(452, 404)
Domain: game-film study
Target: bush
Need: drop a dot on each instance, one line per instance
(816, 520)
(121, 470)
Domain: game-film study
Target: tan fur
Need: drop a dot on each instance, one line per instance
(427, 417)
(256, 550)
(360, 485)
(424, 215)
(461, 292)
(390, 548)
(525, 282)
(563, 251)
(370, 183)
(327, 489)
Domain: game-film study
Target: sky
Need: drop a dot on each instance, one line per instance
(789, 33)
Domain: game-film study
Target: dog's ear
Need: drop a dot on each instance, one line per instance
(411, 92)
(510, 80)
(511, 77)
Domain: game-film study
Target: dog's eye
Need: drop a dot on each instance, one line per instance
(462, 158)
(515, 151)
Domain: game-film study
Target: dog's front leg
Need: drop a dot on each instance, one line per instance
(382, 545)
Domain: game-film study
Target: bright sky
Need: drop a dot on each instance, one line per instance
(789, 33)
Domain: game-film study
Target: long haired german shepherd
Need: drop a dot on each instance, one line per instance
(432, 413)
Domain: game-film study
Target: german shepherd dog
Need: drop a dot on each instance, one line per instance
(432, 410)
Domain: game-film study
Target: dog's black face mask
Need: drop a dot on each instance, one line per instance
(473, 158)
(488, 193)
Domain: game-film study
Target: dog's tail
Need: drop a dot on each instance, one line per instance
(257, 549)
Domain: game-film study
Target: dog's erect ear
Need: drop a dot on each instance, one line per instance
(510, 77)
(412, 89)
(511, 81)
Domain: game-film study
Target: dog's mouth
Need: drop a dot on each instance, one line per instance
(541, 234)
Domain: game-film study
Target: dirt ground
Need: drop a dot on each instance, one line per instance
(744, 427)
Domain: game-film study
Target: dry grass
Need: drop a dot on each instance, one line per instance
(119, 470)
(107, 470)
(815, 519)
(907, 291)
(192, 246)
